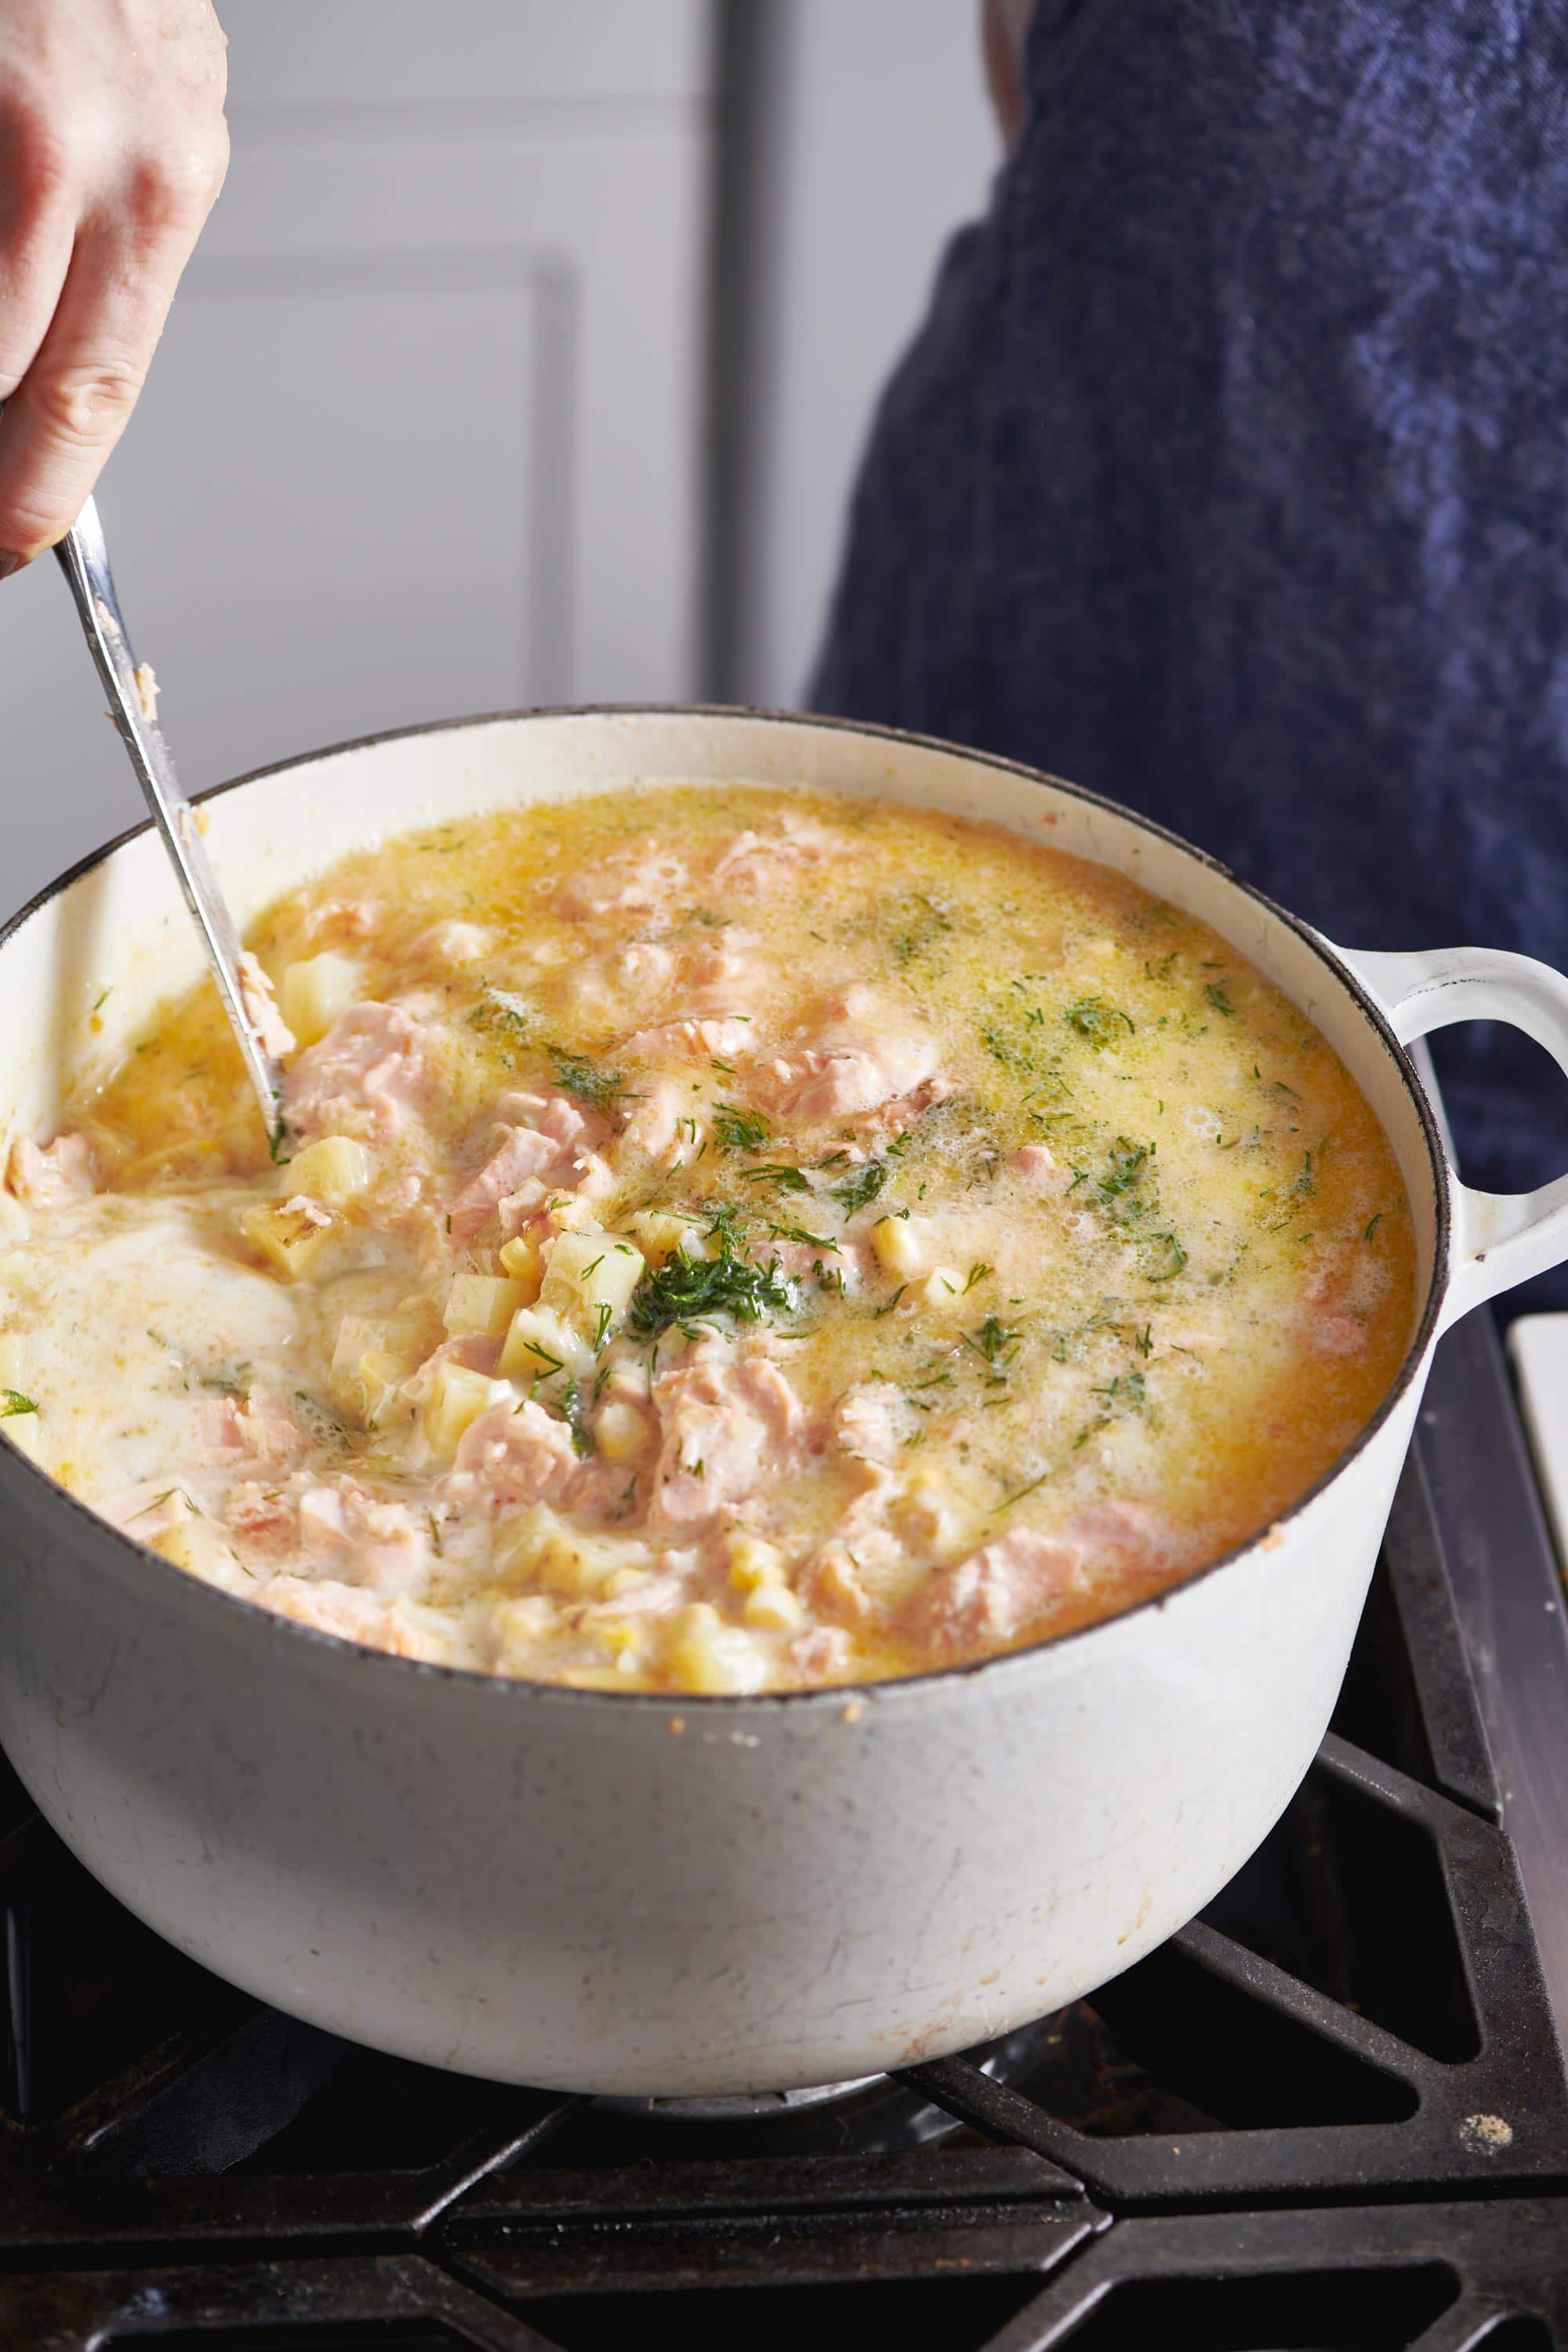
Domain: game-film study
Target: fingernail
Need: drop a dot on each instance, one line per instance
(9, 562)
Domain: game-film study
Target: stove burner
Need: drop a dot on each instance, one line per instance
(1331, 2112)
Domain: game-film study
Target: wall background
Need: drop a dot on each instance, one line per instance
(433, 427)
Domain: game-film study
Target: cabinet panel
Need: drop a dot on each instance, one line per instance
(422, 436)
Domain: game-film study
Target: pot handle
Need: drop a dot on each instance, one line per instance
(1499, 1238)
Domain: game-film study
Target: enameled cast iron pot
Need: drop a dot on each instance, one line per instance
(632, 1895)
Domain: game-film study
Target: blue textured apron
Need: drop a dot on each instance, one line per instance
(1228, 475)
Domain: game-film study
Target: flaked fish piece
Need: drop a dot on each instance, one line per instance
(636, 883)
(45, 1176)
(365, 1078)
(727, 1423)
(511, 1456)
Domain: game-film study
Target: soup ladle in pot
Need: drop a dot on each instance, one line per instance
(84, 559)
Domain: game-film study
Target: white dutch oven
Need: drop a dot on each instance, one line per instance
(634, 1895)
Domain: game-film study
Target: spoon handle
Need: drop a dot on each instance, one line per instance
(84, 559)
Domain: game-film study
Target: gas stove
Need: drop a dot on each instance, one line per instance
(1332, 2112)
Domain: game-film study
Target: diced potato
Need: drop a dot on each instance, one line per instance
(26, 1434)
(900, 1243)
(772, 1609)
(661, 1235)
(620, 1431)
(457, 1397)
(314, 993)
(520, 1259)
(335, 1171)
(290, 1233)
(538, 1343)
(753, 1562)
(482, 1303)
(196, 1546)
(713, 1658)
(943, 1287)
(589, 1282)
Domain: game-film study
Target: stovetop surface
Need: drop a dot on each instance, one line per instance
(1330, 2112)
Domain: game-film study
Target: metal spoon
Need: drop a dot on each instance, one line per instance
(84, 559)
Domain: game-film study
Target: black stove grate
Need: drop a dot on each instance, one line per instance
(1331, 2113)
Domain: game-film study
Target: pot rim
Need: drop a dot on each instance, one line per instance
(833, 1697)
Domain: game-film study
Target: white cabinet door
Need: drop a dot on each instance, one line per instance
(422, 436)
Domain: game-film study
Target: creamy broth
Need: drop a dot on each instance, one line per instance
(726, 1240)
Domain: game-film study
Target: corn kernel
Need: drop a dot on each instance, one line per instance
(753, 1562)
(519, 1256)
(483, 1303)
(457, 1397)
(293, 1233)
(620, 1431)
(772, 1609)
(899, 1242)
(334, 1170)
(314, 993)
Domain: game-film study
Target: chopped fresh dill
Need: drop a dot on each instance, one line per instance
(861, 1186)
(798, 1234)
(602, 1325)
(738, 1130)
(12, 1402)
(1008, 1500)
(993, 1341)
(1373, 1226)
(572, 1411)
(587, 1080)
(1095, 1020)
(779, 1173)
(687, 1289)
(891, 1303)
(976, 1274)
(1163, 1258)
(1214, 992)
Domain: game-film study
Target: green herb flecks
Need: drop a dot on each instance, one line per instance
(571, 1413)
(859, 1189)
(1095, 1021)
(1126, 1393)
(1161, 1257)
(589, 1081)
(779, 1174)
(993, 1342)
(924, 921)
(1215, 992)
(687, 1290)
(12, 1402)
(738, 1130)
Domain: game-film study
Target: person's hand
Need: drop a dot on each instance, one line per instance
(112, 149)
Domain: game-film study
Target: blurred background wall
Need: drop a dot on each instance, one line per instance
(525, 359)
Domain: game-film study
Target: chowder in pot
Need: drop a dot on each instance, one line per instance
(722, 1240)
